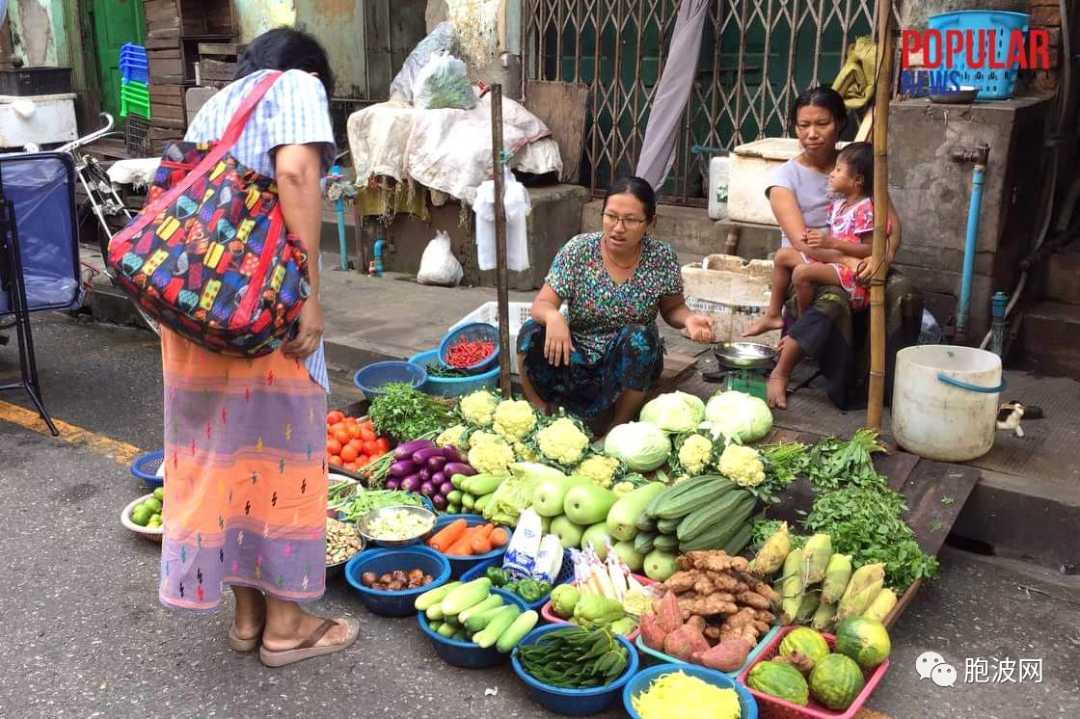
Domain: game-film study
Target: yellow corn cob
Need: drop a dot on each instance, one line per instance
(816, 553)
(837, 575)
(792, 587)
(881, 606)
(857, 603)
(823, 617)
(772, 554)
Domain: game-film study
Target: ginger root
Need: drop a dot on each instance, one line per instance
(680, 582)
(716, 603)
(723, 582)
(752, 599)
(716, 561)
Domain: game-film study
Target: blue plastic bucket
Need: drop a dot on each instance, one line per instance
(467, 655)
(373, 376)
(380, 561)
(993, 84)
(453, 386)
(641, 681)
(573, 702)
(472, 332)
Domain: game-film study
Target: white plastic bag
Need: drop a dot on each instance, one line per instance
(443, 39)
(517, 205)
(438, 266)
(524, 545)
(444, 84)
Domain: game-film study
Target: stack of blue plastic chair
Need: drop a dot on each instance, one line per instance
(135, 87)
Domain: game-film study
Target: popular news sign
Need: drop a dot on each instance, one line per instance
(937, 60)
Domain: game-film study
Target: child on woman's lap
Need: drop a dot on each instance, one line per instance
(851, 218)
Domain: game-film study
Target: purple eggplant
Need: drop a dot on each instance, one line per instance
(445, 487)
(392, 483)
(411, 483)
(452, 454)
(435, 464)
(428, 489)
(403, 468)
(439, 501)
(406, 450)
(421, 456)
(437, 478)
(425, 474)
(452, 468)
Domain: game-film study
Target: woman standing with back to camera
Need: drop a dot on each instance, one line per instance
(245, 502)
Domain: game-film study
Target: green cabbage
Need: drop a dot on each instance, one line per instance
(674, 412)
(738, 416)
(641, 445)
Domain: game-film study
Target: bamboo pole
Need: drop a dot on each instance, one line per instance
(879, 259)
(501, 282)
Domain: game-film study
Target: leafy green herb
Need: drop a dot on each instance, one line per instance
(948, 501)
(784, 462)
(937, 526)
(834, 463)
(763, 528)
(404, 413)
(438, 371)
(868, 524)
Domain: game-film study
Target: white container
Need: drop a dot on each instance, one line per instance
(719, 173)
(945, 401)
(38, 119)
(733, 292)
(751, 165)
(488, 313)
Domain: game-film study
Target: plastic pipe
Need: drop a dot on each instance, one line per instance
(380, 246)
(970, 241)
(339, 208)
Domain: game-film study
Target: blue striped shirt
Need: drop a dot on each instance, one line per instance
(294, 111)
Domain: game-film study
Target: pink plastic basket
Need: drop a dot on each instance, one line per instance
(551, 618)
(770, 707)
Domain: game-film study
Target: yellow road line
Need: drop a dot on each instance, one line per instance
(122, 452)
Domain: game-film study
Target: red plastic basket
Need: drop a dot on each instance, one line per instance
(551, 618)
(770, 707)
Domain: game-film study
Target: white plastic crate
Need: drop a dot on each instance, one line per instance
(488, 313)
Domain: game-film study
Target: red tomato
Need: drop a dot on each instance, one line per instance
(370, 448)
(367, 423)
(363, 461)
(333, 446)
(357, 445)
(335, 460)
(351, 466)
(354, 431)
(341, 436)
(383, 445)
(367, 434)
(349, 454)
(337, 427)
(334, 417)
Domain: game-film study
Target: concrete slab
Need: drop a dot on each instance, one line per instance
(1051, 338)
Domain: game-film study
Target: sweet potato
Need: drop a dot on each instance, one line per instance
(726, 656)
(651, 633)
(669, 616)
(698, 622)
(684, 641)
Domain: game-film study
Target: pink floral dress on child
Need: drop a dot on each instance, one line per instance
(847, 225)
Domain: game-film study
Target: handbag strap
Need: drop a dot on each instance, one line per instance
(220, 149)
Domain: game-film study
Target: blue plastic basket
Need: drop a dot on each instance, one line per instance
(566, 575)
(472, 332)
(467, 655)
(652, 656)
(993, 84)
(373, 376)
(640, 682)
(573, 702)
(453, 386)
(460, 565)
(145, 468)
(380, 561)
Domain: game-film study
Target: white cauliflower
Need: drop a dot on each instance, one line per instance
(695, 454)
(514, 419)
(622, 489)
(600, 468)
(478, 408)
(456, 436)
(742, 465)
(490, 454)
(525, 452)
(562, 442)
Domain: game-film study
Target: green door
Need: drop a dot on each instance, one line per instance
(115, 22)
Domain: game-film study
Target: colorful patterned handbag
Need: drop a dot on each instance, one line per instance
(208, 256)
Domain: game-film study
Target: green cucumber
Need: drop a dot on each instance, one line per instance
(434, 596)
(491, 602)
(498, 624)
(522, 625)
(447, 630)
(465, 596)
(477, 622)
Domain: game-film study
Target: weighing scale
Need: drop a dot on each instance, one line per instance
(746, 367)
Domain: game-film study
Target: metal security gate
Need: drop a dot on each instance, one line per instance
(756, 56)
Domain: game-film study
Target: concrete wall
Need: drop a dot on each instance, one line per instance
(491, 32)
(39, 37)
(913, 13)
(257, 16)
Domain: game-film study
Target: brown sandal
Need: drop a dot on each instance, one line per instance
(307, 649)
(239, 644)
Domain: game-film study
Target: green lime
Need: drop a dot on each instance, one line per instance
(153, 503)
(159, 494)
(155, 521)
(141, 515)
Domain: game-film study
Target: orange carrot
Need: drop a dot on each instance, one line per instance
(461, 548)
(480, 544)
(448, 535)
(498, 537)
(486, 530)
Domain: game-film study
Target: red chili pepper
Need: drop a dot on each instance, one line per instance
(469, 352)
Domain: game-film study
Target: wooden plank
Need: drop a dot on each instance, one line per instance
(233, 49)
(162, 39)
(215, 71)
(167, 94)
(563, 107)
(169, 123)
(929, 484)
(173, 113)
(902, 603)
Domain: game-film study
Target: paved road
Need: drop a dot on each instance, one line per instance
(86, 637)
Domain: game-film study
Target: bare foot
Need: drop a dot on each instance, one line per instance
(767, 323)
(278, 639)
(249, 625)
(777, 390)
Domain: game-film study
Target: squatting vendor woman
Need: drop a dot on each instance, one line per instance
(607, 350)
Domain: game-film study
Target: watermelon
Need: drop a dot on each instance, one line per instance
(836, 681)
(807, 642)
(864, 640)
(779, 680)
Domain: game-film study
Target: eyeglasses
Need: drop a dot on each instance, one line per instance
(630, 223)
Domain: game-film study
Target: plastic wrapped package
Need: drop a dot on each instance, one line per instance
(444, 84)
(442, 40)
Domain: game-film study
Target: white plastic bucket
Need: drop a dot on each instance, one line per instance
(945, 401)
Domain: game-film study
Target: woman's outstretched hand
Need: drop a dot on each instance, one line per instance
(557, 342)
(699, 328)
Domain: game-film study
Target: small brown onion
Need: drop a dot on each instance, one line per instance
(416, 575)
(395, 586)
(386, 578)
(368, 578)
(399, 576)
(428, 579)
